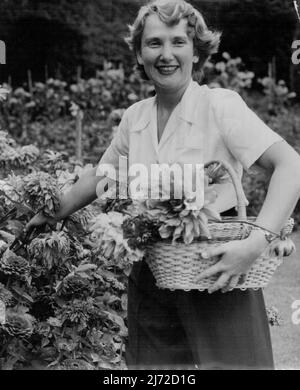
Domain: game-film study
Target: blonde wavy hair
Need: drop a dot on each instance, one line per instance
(206, 42)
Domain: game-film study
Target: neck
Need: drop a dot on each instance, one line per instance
(169, 99)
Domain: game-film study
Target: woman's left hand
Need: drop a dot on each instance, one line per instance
(236, 259)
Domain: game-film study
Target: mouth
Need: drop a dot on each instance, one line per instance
(167, 69)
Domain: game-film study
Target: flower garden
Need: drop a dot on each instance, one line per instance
(62, 293)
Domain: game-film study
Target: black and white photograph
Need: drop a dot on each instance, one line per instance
(149, 187)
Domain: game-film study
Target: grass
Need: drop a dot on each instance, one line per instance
(281, 292)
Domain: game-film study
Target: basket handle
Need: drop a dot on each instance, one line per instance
(241, 206)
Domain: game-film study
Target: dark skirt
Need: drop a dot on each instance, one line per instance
(190, 330)
(195, 330)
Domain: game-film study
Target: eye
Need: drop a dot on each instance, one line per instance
(154, 43)
(179, 41)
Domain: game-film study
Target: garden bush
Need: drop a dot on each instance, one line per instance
(64, 303)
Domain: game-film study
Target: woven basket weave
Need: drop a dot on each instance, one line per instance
(174, 266)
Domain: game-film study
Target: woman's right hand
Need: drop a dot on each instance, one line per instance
(39, 220)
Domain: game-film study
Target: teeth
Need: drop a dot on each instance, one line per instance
(167, 69)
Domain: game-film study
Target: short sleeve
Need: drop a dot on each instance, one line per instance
(117, 150)
(246, 136)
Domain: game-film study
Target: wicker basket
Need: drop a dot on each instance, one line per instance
(175, 266)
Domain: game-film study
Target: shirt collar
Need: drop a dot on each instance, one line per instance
(145, 116)
(186, 109)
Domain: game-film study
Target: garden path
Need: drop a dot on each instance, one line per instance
(281, 292)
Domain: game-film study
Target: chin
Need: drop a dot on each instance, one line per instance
(165, 83)
(172, 83)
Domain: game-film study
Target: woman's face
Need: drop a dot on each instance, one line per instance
(167, 53)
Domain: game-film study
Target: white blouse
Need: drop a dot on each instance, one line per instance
(207, 124)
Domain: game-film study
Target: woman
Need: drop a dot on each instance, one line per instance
(188, 123)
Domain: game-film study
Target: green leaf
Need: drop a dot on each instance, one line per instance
(21, 293)
(124, 301)
(9, 238)
(189, 227)
(58, 285)
(95, 357)
(85, 267)
(28, 279)
(84, 275)
(211, 213)
(188, 233)
(54, 322)
(173, 222)
(116, 360)
(204, 229)
(2, 312)
(118, 320)
(177, 233)
(15, 226)
(45, 342)
(196, 228)
(184, 213)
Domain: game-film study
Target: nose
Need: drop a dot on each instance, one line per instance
(166, 53)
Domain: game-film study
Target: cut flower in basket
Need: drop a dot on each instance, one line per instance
(171, 219)
(216, 173)
(281, 247)
(107, 237)
(123, 235)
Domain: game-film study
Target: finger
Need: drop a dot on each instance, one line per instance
(210, 252)
(35, 221)
(30, 232)
(28, 226)
(233, 282)
(242, 279)
(214, 269)
(220, 283)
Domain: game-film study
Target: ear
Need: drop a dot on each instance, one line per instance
(139, 58)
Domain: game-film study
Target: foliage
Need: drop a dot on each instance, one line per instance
(228, 73)
(251, 30)
(13, 156)
(274, 317)
(43, 115)
(65, 303)
(277, 94)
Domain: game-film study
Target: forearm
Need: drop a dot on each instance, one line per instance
(82, 193)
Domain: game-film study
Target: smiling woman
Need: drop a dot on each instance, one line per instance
(188, 123)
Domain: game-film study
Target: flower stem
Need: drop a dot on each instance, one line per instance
(8, 282)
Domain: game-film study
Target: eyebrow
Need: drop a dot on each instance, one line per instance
(158, 38)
